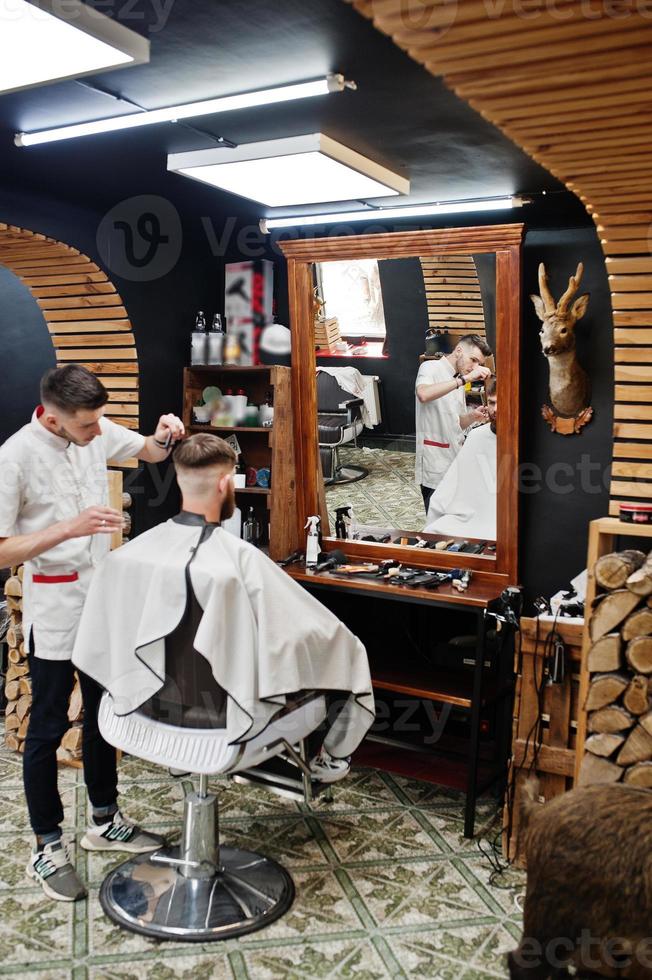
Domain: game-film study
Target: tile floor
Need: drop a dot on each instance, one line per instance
(386, 887)
(387, 497)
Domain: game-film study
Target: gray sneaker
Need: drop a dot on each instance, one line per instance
(52, 868)
(120, 834)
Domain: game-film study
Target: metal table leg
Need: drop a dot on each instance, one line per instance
(474, 746)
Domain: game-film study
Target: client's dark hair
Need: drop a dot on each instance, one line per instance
(475, 340)
(72, 387)
(490, 386)
(203, 450)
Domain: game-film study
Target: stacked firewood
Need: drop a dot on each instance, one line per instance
(18, 686)
(619, 701)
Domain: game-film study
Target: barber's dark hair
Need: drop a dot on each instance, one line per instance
(474, 340)
(202, 450)
(72, 387)
(490, 386)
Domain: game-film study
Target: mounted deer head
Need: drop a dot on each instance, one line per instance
(569, 383)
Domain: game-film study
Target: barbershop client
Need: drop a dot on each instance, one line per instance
(54, 518)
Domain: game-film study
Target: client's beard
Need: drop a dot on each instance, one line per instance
(493, 426)
(228, 505)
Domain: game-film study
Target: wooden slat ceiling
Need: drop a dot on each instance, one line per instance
(571, 84)
(453, 295)
(85, 316)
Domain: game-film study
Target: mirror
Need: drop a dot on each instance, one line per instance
(408, 355)
(383, 327)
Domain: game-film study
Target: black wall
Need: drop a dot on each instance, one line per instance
(26, 352)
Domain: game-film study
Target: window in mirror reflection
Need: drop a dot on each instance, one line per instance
(352, 295)
(412, 457)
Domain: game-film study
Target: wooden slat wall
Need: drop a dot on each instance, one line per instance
(453, 294)
(570, 83)
(85, 315)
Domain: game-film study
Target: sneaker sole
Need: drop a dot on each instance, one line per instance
(90, 845)
(332, 777)
(50, 892)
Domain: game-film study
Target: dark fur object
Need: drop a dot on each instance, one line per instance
(589, 884)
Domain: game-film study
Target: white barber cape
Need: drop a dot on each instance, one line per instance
(263, 635)
(439, 435)
(464, 504)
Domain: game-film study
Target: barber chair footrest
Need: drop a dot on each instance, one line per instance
(151, 897)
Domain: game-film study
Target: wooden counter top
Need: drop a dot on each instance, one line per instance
(478, 594)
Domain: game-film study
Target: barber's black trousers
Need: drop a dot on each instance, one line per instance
(52, 684)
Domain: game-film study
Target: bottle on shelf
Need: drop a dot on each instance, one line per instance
(251, 528)
(229, 407)
(266, 410)
(232, 349)
(215, 341)
(198, 349)
(239, 406)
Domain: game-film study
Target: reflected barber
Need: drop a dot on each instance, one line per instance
(55, 518)
(441, 410)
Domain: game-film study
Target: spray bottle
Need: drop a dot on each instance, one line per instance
(313, 541)
(342, 522)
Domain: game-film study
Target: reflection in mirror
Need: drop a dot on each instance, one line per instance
(406, 399)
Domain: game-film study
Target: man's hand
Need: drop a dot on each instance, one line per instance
(94, 520)
(479, 414)
(169, 427)
(479, 373)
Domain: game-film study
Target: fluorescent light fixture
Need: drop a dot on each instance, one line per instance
(380, 214)
(297, 170)
(49, 40)
(188, 110)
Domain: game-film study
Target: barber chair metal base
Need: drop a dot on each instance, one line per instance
(197, 891)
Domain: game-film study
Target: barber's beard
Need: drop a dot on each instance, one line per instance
(228, 506)
(63, 433)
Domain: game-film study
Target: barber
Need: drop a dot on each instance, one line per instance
(441, 410)
(55, 518)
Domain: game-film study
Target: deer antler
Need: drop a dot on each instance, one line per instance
(573, 286)
(544, 289)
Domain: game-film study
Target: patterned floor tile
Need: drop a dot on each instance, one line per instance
(321, 907)
(288, 840)
(417, 894)
(387, 497)
(459, 946)
(386, 887)
(313, 961)
(363, 789)
(205, 966)
(449, 825)
(378, 835)
(13, 812)
(34, 929)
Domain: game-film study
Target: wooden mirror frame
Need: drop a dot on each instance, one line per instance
(503, 240)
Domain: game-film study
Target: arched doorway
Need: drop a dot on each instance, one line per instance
(83, 311)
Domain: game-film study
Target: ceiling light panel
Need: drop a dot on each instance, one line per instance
(48, 41)
(294, 171)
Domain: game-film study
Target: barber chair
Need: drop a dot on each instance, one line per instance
(199, 891)
(339, 417)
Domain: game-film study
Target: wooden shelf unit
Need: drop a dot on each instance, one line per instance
(271, 446)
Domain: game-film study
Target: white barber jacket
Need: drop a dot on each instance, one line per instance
(45, 479)
(438, 430)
